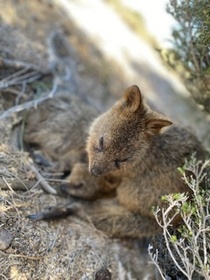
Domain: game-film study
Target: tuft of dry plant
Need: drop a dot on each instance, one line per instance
(187, 248)
(59, 70)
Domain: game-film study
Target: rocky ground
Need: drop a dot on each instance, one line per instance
(46, 47)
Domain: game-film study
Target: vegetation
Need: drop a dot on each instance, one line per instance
(187, 248)
(191, 46)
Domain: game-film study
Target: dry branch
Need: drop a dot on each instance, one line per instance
(45, 186)
(32, 103)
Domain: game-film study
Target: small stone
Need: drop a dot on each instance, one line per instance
(5, 239)
(103, 274)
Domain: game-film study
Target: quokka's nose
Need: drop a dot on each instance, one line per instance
(95, 171)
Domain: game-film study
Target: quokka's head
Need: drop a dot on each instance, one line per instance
(120, 137)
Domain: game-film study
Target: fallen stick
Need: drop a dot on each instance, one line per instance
(45, 186)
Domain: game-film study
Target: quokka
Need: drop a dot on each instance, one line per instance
(128, 141)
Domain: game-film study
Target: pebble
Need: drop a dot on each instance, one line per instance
(5, 239)
(103, 274)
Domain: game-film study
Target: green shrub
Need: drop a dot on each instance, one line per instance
(190, 53)
(184, 252)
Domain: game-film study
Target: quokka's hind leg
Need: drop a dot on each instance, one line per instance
(117, 221)
(72, 208)
(107, 215)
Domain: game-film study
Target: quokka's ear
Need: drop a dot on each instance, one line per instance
(132, 99)
(154, 125)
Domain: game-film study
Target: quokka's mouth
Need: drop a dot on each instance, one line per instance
(95, 171)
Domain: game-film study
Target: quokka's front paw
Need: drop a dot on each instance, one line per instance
(79, 190)
(80, 183)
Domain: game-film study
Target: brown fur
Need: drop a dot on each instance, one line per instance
(128, 153)
(83, 185)
(59, 127)
(126, 139)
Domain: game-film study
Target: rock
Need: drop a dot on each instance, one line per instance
(5, 239)
(103, 274)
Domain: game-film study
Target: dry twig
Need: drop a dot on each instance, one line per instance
(189, 247)
(32, 103)
(46, 187)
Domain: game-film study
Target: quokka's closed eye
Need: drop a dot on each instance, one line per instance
(101, 143)
(118, 161)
